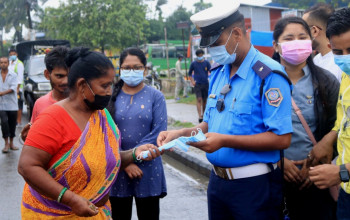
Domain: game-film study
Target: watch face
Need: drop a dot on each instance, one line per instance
(344, 174)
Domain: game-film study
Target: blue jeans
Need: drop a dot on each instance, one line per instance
(253, 198)
(343, 209)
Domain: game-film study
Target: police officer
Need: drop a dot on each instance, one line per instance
(247, 120)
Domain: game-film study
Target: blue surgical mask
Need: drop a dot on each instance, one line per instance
(220, 54)
(343, 61)
(200, 58)
(13, 57)
(132, 77)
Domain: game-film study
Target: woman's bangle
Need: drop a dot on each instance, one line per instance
(61, 194)
(134, 155)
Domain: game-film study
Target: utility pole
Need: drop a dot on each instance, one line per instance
(166, 49)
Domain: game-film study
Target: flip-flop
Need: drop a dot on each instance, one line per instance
(5, 151)
(14, 148)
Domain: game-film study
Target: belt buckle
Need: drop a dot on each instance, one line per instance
(221, 172)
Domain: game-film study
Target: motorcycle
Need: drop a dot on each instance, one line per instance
(152, 78)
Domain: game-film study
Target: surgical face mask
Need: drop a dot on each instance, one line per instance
(180, 142)
(132, 77)
(220, 54)
(343, 61)
(296, 52)
(99, 103)
(200, 58)
(13, 58)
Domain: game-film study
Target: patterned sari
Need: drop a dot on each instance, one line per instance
(88, 169)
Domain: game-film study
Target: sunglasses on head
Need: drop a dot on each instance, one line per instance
(220, 104)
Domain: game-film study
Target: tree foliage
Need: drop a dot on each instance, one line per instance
(303, 4)
(179, 15)
(16, 13)
(200, 6)
(97, 23)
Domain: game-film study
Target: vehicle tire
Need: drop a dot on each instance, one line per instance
(30, 106)
(172, 72)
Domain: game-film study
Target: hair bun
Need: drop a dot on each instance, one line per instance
(76, 53)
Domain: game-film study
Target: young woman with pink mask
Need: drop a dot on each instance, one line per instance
(315, 93)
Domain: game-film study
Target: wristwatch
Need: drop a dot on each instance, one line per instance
(344, 173)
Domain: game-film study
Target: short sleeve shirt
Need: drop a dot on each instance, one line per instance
(246, 112)
(41, 104)
(8, 102)
(54, 132)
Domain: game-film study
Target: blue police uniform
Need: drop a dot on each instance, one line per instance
(247, 112)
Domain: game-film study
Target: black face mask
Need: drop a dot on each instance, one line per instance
(100, 101)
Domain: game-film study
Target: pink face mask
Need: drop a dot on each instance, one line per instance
(297, 51)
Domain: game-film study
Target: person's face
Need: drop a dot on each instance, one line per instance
(290, 33)
(133, 62)
(230, 39)
(340, 44)
(101, 86)
(315, 29)
(58, 79)
(12, 53)
(4, 63)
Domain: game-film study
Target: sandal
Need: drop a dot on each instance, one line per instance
(14, 148)
(5, 151)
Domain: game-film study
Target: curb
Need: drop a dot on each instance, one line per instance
(189, 159)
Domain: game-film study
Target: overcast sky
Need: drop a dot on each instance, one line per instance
(167, 9)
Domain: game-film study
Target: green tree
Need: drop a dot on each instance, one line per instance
(97, 23)
(303, 4)
(179, 15)
(200, 6)
(16, 14)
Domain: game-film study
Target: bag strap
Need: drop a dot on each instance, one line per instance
(303, 122)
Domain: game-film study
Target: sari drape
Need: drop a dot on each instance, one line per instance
(88, 169)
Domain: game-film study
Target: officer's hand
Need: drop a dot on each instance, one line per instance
(167, 136)
(291, 172)
(325, 176)
(211, 144)
(133, 171)
(304, 173)
(321, 153)
(25, 131)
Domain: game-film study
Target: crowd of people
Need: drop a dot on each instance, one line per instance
(277, 130)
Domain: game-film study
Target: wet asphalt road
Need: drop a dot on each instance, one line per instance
(186, 199)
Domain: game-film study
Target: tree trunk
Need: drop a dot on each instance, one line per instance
(30, 24)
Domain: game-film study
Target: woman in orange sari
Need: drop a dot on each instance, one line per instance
(71, 156)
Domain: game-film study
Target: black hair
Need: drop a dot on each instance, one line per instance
(133, 51)
(12, 50)
(199, 51)
(5, 58)
(279, 29)
(338, 23)
(320, 12)
(86, 64)
(56, 58)
(180, 56)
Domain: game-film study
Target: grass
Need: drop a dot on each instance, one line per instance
(183, 124)
(191, 99)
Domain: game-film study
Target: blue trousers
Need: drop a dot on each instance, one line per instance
(343, 208)
(253, 198)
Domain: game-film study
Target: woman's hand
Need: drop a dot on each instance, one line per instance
(25, 131)
(153, 151)
(291, 172)
(133, 171)
(304, 173)
(81, 206)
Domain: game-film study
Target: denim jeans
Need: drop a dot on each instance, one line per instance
(343, 209)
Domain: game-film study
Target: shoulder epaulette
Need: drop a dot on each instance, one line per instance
(263, 71)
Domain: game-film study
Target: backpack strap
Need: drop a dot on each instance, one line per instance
(263, 71)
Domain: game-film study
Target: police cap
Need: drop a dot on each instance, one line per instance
(212, 21)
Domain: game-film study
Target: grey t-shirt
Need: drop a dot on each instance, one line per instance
(8, 102)
(303, 95)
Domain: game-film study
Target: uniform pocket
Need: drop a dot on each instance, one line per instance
(241, 119)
